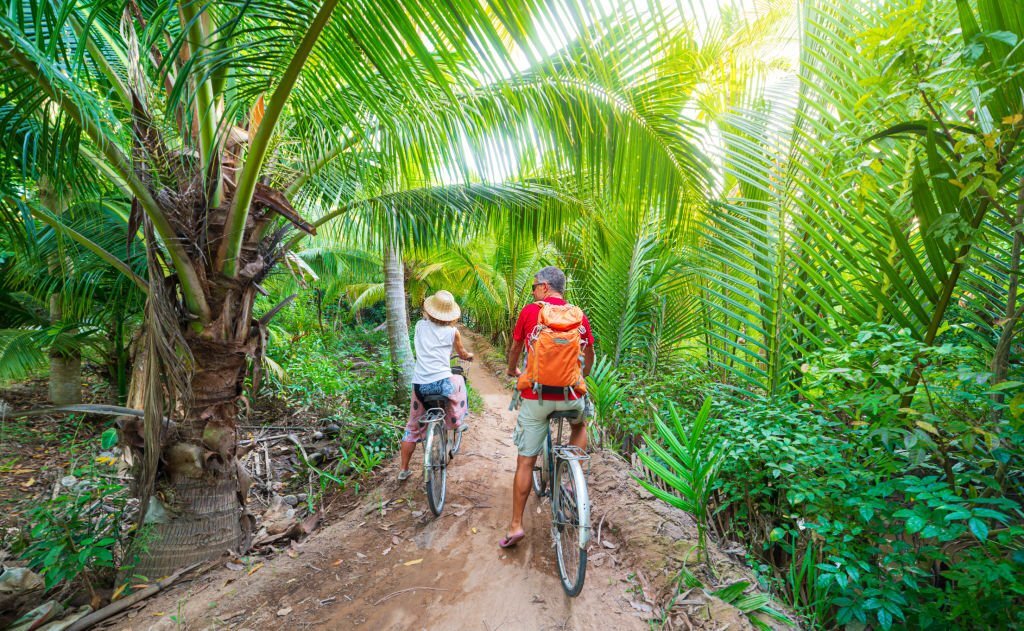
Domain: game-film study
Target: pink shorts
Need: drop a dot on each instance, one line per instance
(457, 408)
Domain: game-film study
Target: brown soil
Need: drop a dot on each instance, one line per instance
(385, 562)
(34, 452)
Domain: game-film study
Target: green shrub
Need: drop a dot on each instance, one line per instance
(876, 515)
(74, 534)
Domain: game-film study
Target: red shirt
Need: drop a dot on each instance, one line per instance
(525, 325)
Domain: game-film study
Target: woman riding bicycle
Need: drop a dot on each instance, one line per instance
(434, 338)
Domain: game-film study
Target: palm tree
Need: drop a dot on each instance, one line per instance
(846, 205)
(100, 306)
(220, 122)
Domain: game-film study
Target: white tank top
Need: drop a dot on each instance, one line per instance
(433, 344)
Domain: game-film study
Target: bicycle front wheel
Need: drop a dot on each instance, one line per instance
(570, 510)
(435, 467)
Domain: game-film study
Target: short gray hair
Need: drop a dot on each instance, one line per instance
(554, 277)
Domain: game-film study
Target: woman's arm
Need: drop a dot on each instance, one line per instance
(460, 350)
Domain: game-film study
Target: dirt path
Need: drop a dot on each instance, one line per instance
(484, 587)
(390, 564)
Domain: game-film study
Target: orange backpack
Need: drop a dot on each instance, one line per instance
(554, 350)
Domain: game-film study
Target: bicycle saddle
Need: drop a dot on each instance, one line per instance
(567, 414)
(435, 401)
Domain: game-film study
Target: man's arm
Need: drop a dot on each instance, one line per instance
(514, 352)
(460, 350)
(588, 359)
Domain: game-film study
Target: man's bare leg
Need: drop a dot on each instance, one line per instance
(578, 435)
(520, 492)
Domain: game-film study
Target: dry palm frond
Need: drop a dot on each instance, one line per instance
(168, 371)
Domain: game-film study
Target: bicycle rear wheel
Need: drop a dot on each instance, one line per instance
(435, 469)
(456, 441)
(541, 469)
(570, 510)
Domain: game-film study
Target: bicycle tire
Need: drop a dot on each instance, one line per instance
(456, 441)
(570, 514)
(435, 468)
(541, 469)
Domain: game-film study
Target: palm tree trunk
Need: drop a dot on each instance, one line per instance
(197, 510)
(398, 318)
(66, 362)
(65, 365)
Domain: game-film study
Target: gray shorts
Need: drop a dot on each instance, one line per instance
(532, 426)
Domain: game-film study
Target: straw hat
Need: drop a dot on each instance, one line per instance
(442, 306)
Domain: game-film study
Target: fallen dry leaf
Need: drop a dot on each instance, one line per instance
(474, 531)
(28, 483)
(336, 563)
(117, 592)
(254, 568)
(641, 607)
(234, 566)
(292, 553)
(396, 540)
(385, 552)
(609, 544)
(413, 562)
(360, 555)
(284, 612)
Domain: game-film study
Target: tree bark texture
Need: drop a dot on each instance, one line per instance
(196, 509)
(65, 386)
(398, 318)
(1012, 313)
(65, 367)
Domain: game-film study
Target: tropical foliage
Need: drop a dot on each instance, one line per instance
(811, 212)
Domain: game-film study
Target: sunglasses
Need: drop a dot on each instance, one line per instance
(536, 285)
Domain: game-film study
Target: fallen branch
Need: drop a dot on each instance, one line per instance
(294, 439)
(85, 408)
(265, 439)
(120, 605)
(287, 427)
(408, 589)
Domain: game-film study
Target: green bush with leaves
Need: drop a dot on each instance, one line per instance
(347, 369)
(344, 374)
(78, 534)
(73, 536)
(863, 529)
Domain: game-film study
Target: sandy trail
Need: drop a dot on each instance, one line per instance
(388, 563)
(473, 584)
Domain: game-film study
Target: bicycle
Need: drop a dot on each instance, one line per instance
(439, 447)
(559, 477)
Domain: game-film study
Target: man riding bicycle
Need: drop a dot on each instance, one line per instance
(573, 339)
